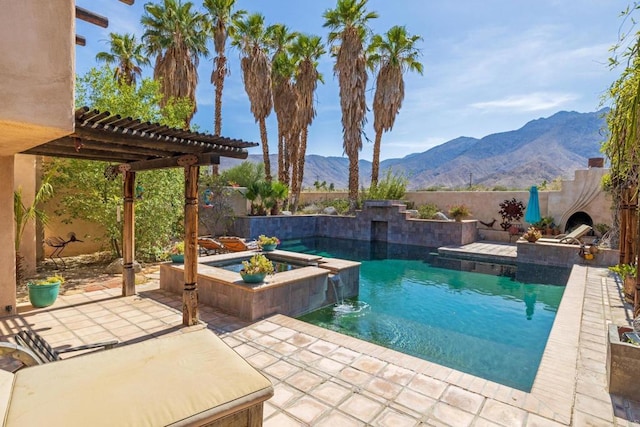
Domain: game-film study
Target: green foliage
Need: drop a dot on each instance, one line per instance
(427, 211)
(390, 187)
(243, 175)
(177, 248)
(23, 214)
(265, 196)
(49, 280)
(265, 240)
(257, 264)
(85, 194)
(98, 89)
(341, 205)
(624, 270)
(602, 228)
(459, 211)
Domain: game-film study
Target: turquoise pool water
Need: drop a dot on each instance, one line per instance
(486, 325)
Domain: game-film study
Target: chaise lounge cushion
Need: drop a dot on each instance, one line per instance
(188, 379)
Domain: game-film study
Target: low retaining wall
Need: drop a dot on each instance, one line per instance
(562, 255)
(382, 221)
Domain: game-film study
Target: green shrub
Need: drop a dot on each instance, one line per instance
(427, 211)
(391, 187)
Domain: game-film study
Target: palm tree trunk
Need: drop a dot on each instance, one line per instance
(300, 162)
(282, 155)
(221, 70)
(375, 164)
(265, 148)
(353, 182)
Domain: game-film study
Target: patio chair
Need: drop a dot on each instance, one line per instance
(236, 244)
(572, 238)
(31, 349)
(210, 246)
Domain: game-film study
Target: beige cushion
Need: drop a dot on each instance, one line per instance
(6, 383)
(190, 377)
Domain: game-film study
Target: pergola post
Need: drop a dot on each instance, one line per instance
(128, 241)
(190, 294)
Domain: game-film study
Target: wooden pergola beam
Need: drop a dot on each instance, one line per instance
(129, 2)
(190, 292)
(80, 40)
(93, 18)
(110, 148)
(172, 162)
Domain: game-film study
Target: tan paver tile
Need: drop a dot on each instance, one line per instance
(338, 419)
(281, 369)
(451, 415)
(502, 414)
(415, 401)
(330, 392)
(306, 356)
(397, 374)
(383, 388)
(534, 420)
(301, 340)
(344, 355)
(462, 399)
(595, 407)
(322, 347)
(369, 364)
(392, 418)
(307, 409)
(354, 376)
(304, 381)
(428, 386)
(361, 407)
(261, 360)
(281, 420)
(283, 395)
(283, 333)
(583, 419)
(328, 365)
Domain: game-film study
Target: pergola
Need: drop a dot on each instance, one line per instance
(130, 146)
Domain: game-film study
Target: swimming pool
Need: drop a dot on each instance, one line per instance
(489, 326)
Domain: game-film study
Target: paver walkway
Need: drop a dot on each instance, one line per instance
(323, 378)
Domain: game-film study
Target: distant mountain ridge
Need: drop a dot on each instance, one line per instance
(542, 149)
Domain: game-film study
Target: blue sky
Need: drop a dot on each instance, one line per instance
(490, 67)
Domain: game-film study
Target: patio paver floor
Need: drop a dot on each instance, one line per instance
(325, 378)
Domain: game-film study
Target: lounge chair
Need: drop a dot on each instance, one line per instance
(210, 246)
(572, 238)
(31, 349)
(191, 378)
(236, 244)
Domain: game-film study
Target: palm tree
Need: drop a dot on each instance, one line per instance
(221, 16)
(285, 106)
(177, 35)
(251, 38)
(348, 32)
(307, 49)
(393, 55)
(282, 70)
(126, 52)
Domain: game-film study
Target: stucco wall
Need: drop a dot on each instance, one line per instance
(37, 41)
(25, 179)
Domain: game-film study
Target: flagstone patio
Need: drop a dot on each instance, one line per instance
(324, 378)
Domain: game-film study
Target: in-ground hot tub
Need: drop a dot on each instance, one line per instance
(302, 283)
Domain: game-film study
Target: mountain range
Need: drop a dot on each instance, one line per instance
(541, 150)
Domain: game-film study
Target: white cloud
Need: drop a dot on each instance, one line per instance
(528, 102)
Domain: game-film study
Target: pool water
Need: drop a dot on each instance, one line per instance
(489, 326)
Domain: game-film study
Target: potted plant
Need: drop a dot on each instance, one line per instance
(267, 243)
(532, 234)
(627, 273)
(256, 269)
(44, 292)
(177, 252)
(458, 212)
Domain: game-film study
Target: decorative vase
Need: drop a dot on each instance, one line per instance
(177, 258)
(253, 278)
(43, 295)
(269, 248)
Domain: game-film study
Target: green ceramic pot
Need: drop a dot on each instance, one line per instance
(177, 258)
(253, 278)
(43, 295)
(269, 248)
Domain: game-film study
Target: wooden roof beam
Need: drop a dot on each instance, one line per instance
(173, 162)
(80, 40)
(93, 18)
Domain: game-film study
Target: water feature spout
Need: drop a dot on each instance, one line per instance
(338, 287)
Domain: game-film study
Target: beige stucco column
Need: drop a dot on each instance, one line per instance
(8, 260)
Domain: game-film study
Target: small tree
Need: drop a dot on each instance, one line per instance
(24, 214)
(216, 212)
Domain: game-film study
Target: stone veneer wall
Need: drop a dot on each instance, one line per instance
(379, 220)
(562, 255)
